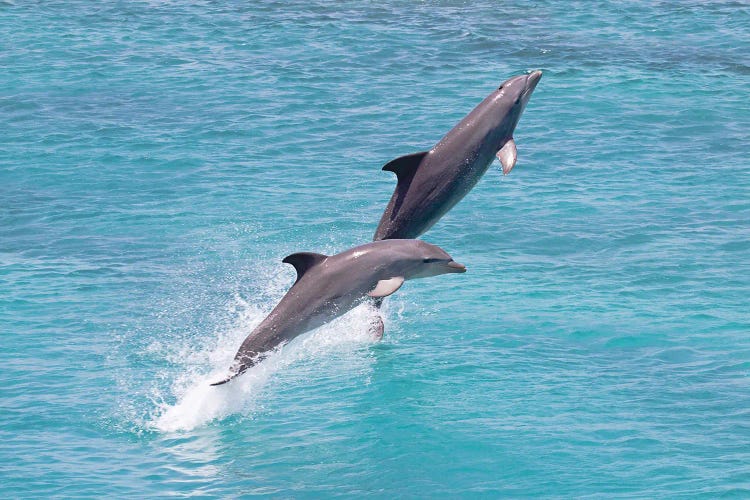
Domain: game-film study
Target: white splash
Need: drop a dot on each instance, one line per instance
(198, 403)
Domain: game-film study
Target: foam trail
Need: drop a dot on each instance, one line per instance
(199, 403)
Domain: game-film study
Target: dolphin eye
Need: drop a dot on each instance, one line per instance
(427, 261)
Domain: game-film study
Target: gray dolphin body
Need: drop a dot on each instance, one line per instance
(431, 182)
(327, 287)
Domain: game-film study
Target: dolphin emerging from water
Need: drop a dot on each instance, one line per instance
(431, 182)
(327, 287)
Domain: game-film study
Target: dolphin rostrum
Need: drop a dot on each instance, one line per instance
(327, 287)
(431, 182)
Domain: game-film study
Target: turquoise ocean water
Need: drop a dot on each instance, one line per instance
(159, 159)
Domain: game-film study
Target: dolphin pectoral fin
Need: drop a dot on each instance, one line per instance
(508, 155)
(405, 166)
(386, 287)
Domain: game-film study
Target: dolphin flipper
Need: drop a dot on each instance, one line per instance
(508, 155)
(385, 288)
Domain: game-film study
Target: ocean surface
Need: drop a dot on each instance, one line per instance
(158, 159)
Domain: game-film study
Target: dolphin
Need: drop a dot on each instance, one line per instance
(431, 182)
(327, 287)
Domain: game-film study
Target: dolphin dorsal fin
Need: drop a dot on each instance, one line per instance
(405, 166)
(303, 261)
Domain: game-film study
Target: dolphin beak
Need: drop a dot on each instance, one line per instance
(531, 80)
(533, 77)
(455, 267)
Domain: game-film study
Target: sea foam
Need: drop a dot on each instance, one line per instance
(196, 402)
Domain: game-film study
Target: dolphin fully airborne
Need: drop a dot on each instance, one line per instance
(327, 287)
(431, 182)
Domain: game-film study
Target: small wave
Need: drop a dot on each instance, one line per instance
(198, 403)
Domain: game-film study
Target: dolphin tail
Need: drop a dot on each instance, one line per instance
(234, 374)
(222, 382)
(229, 377)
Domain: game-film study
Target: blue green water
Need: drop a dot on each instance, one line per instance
(159, 159)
